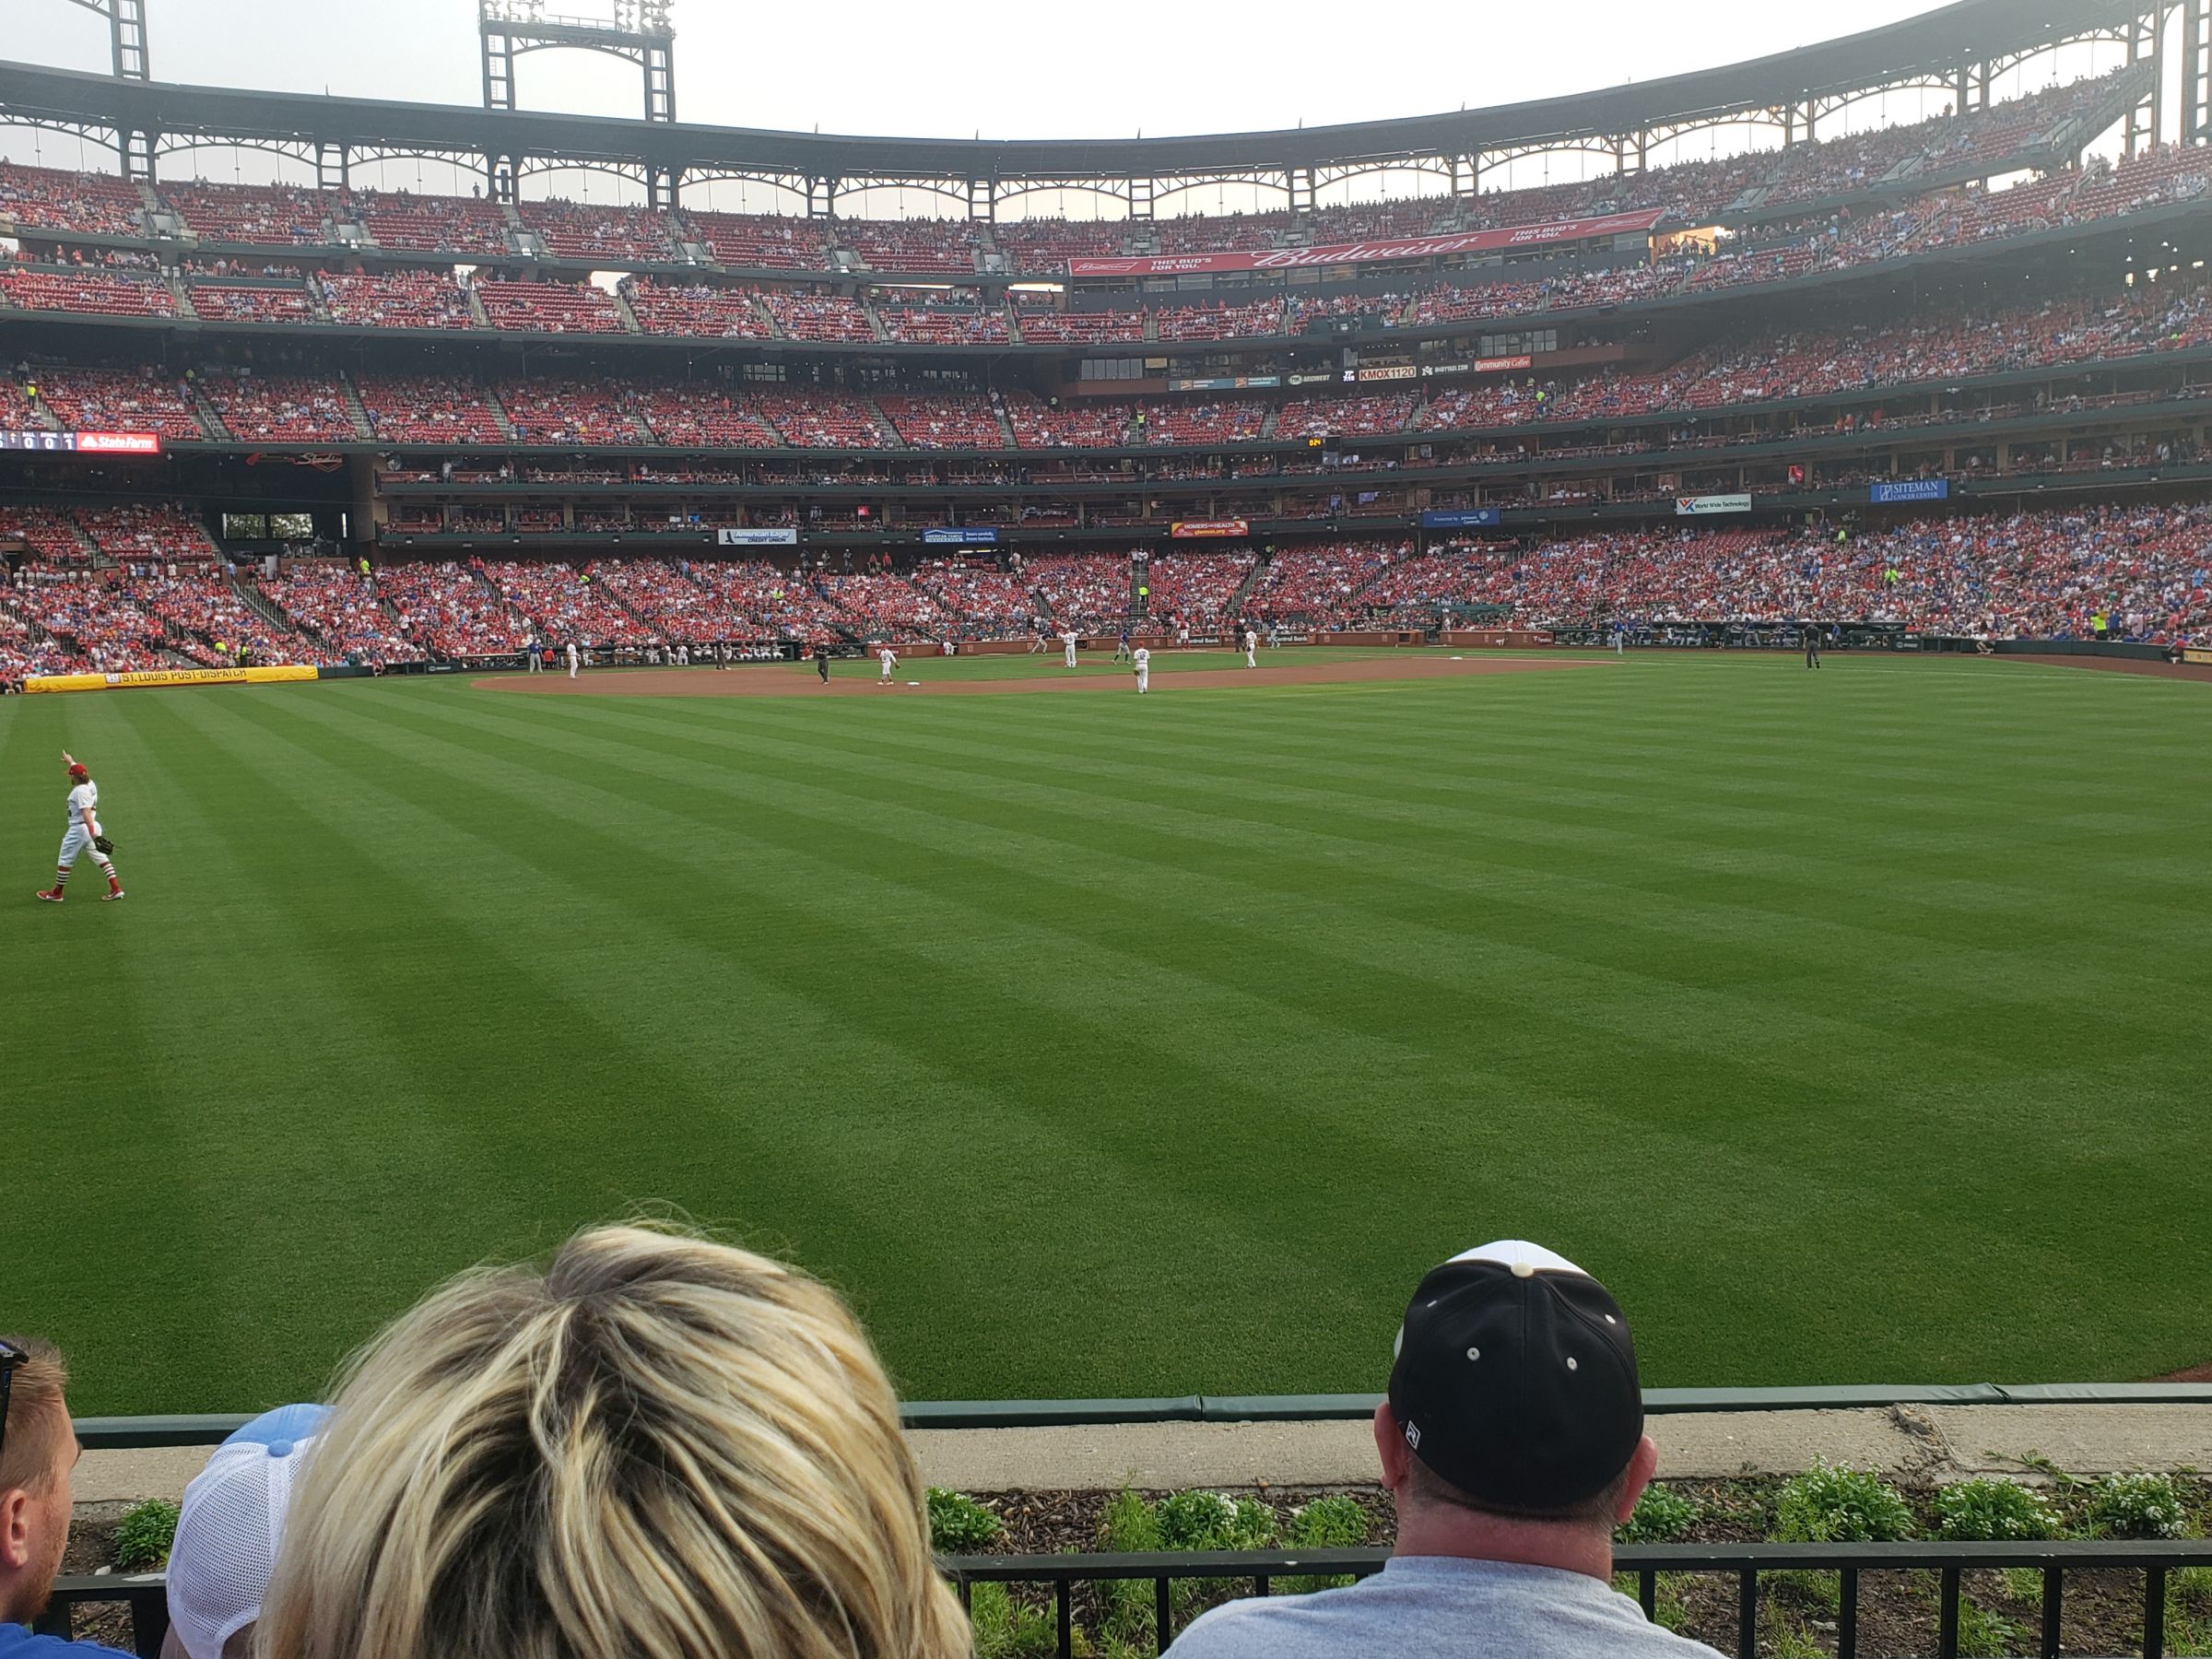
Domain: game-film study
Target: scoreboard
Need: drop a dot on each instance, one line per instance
(82, 443)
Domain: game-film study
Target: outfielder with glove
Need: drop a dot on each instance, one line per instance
(84, 832)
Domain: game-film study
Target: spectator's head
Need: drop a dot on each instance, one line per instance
(231, 1523)
(1514, 1422)
(38, 1452)
(655, 1445)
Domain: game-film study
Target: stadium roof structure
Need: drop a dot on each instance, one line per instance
(1953, 43)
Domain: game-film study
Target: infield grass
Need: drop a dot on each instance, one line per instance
(1852, 1026)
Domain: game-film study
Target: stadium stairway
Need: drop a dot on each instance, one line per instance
(886, 435)
(998, 412)
(179, 297)
(262, 605)
(499, 413)
(481, 318)
(630, 318)
(1267, 421)
(875, 323)
(1235, 604)
(356, 411)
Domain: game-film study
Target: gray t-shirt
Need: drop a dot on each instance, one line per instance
(1437, 1605)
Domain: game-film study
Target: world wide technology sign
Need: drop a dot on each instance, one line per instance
(1366, 252)
(83, 443)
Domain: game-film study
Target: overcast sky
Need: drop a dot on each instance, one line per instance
(1057, 72)
(898, 67)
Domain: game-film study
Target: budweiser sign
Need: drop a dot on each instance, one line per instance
(1369, 252)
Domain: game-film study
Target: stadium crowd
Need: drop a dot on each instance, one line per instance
(159, 587)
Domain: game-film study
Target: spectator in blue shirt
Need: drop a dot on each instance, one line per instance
(38, 1454)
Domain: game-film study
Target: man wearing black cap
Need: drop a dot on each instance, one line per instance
(1512, 1442)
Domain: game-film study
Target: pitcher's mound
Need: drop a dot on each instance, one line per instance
(799, 680)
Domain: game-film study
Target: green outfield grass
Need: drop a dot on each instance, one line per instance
(1854, 1025)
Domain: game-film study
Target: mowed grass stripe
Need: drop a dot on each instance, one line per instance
(1708, 871)
(1060, 1021)
(627, 1037)
(1379, 1134)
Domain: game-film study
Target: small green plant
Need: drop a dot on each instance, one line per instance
(2189, 1612)
(1006, 1627)
(1214, 1521)
(1986, 1635)
(1331, 1522)
(2135, 1506)
(959, 1526)
(1832, 1503)
(1663, 1515)
(1670, 1608)
(144, 1535)
(1992, 1511)
(1787, 1639)
(1128, 1525)
(2023, 1584)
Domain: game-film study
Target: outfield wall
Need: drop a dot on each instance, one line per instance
(168, 676)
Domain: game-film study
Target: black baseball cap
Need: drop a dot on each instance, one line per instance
(1514, 1378)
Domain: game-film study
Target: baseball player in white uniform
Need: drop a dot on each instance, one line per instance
(890, 659)
(83, 835)
(1142, 658)
(572, 659)
(1252, 644)
(1069, 639)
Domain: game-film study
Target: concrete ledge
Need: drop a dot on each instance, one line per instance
(1917, 1442)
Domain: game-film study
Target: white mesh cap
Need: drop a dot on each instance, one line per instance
(232, 1524)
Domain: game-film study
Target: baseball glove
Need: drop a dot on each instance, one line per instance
(103, 843)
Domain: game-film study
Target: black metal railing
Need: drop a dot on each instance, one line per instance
(1063, 1577)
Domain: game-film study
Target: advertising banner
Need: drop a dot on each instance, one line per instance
(1912, 489)
(168, 676)
(1390, 372)
(83, 443)
(971, 535)
(1498, 365)
(1229, 382)
(730, 537)
(1366, 253)
(1188, 529)
(1459, 518)
(1693, 506)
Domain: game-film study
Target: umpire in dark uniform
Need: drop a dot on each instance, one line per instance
(821, 661)
(1812, 644)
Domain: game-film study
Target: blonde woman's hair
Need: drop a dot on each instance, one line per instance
(658, 1447)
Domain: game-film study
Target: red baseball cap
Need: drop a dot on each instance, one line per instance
(78, 770)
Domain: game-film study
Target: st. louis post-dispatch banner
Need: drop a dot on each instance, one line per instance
(168, 676)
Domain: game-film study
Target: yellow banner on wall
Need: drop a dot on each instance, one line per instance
(168, 676)
(2195, 654)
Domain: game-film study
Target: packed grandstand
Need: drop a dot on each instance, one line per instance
(1942, 379)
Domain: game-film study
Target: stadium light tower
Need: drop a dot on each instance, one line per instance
(635, 30)
(126, 35)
